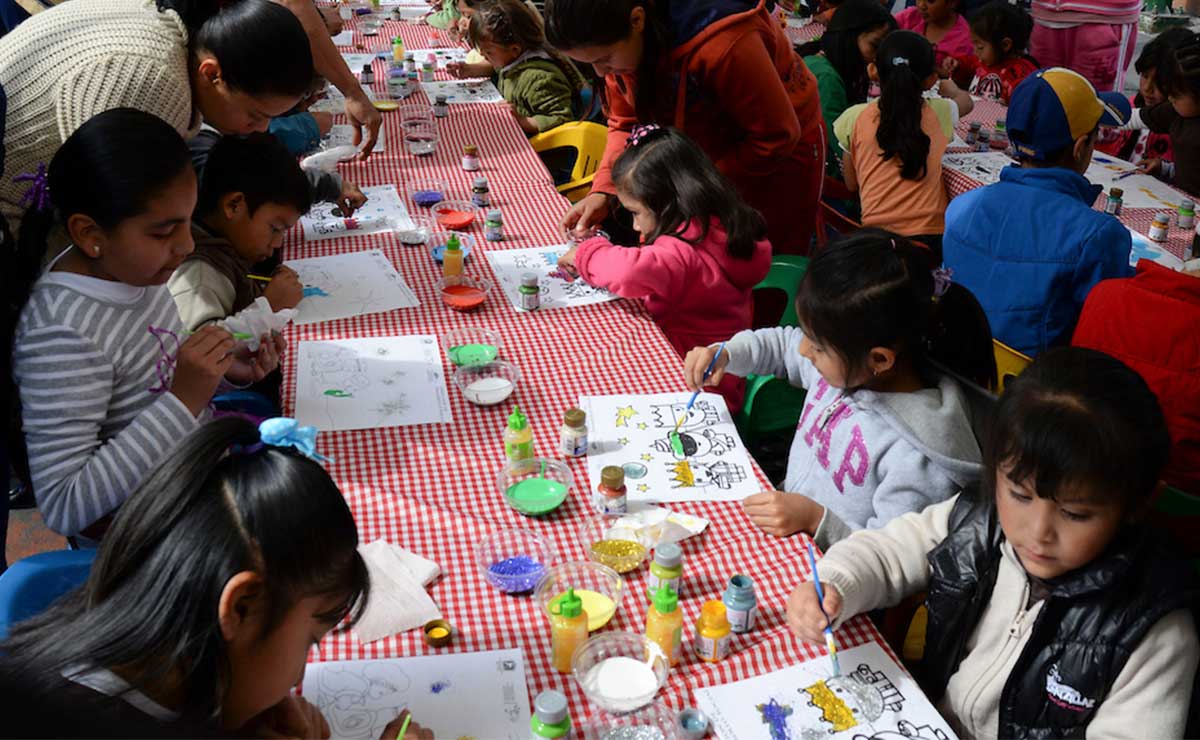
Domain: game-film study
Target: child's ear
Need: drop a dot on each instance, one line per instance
(637, 18)
(86, 235)
(873, 71)
(233, 205)
(210, 69)
(880, 360)
(1006, 46)
(238, 602)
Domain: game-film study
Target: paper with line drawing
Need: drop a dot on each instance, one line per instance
(384, 211)
(558, 289)
(354, 284)
(371, 383)
(633, 433)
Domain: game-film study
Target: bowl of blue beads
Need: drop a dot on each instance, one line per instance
(514, 560)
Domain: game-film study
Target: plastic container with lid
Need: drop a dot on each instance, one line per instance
(610, 494)
(740, 603)
(712, 633)
(550, 717)
(530, 292)
(493, 226)
(481, 195)
(1158, 229)
(518, 437)
(1113, 204)
(452, 258)
(568, 630)
(470, 158)
(574, 439)
(664, 623)
(667, 568)
(440, 108)
(1187, 213)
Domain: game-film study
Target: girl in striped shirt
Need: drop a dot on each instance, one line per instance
(108, 382)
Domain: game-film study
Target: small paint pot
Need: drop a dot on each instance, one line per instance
(693, 724)
(438, 633)
(463, 292)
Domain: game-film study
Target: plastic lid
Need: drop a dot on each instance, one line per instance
(668, 554)
(470, 149)
(529, 279)
(741, 584)
(612, 476)
(398, 40)
(494, 214)
(480, 181)
(413, 75)
(1186, 204)
(575, 418)
(665, 599)
(1163, 217)
(452, 244)
(569, 605)
(713, 613)
(366, 67)
(516, 420)
(550, 707)
(440, 100)
(1116, 193)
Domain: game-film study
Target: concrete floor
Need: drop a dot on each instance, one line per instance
(27, 535)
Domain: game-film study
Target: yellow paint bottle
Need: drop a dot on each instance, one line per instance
(568, 630)
(664, 622)
(712, 632)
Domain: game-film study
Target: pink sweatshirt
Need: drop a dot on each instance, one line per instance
(956, 42)
(698, 293)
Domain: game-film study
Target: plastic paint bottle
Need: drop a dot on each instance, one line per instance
(610, 494)
(574, 439)
(518, 437)
(493, 226)
(1158, 229)
(973, 133)
(452, 257)
(470, 158)
(367, 77)
(427, 71)
(712, 633)
(664, 623)
(398, 50)
(568, 630)
(550, 718)
(741, 603)
(440, 108)
(1187, 214)
(667, 568)
(530, 292)
(1113, 205)
(480, 194)
(984, 142)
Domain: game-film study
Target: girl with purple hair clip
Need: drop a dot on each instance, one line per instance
(108, 381)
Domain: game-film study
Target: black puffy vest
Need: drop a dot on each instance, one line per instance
(1091, 622)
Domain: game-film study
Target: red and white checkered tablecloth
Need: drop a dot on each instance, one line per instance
(432, 488)
(987, 112)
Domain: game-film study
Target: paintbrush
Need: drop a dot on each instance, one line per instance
(1130, 173)
(676, 442)
(830, 645)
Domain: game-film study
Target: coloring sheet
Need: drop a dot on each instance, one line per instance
(345, 38)
(384, 211)
(1144, 249)
(558, 290)
(632, 432)
(342, 134)
(444, 55)
(351, 284)
(1141, 191)
(371, 383)
(464, 91)
(465, 695)
(873, 699)
(356, 61)
(982, 166)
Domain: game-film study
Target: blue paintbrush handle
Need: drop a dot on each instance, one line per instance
(707, 371)
(812, 560)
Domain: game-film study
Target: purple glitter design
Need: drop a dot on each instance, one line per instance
(515, 575)
(774, 716)
(427, 198)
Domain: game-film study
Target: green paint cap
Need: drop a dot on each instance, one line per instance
(569, 605)
(517, 420)
(665, 599)
(452, 244)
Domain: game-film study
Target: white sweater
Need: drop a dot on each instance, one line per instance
(879, 568)
(63, 66)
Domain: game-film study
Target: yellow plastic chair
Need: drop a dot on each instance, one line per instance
(587, 138)
(1009, 363)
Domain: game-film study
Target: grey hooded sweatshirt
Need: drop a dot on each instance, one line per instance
(867, 457)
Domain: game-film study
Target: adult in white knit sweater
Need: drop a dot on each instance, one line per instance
(1053, 611)
(58, 69)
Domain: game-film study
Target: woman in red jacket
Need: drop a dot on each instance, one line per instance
(723, 72)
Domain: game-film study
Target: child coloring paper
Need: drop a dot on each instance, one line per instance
(557, 289)
(873, 699)
(1144, 249)
(370, 383)
(463, 91)
(982, 166)
(1140, 191)
(633, 433)
(466, 695)
(444, 56)
(353, 284)
(342, 134)
(384, 211)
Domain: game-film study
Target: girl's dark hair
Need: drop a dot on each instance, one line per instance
(1159, 57)
(677, 181)
(109, 170)
(905, 60)
(875, 289)
(261, 47)
(1079, 420)
(571, 24)
(998, 21)
(1170, 77)
(512, 22)
(840, 43)
(222, 503)
(259, 167)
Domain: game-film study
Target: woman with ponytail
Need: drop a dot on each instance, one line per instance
(893, 147)
(720, 71)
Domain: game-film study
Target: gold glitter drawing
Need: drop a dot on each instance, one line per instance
(833, 709)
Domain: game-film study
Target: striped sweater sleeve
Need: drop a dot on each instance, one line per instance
(67, 388)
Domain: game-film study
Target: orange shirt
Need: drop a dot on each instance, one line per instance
(907, 207)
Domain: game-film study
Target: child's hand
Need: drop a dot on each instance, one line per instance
(284, 290)
(585, 214)
(527, 124)
(248, 368)
(292, 717)
(324, 122)
(804, 615)
(947, 68)
(350, 199)
(696, 363)
(414, 731)
(567, 260)
(201, 362)
(1150, 166)
(782, 514)
(947, 88)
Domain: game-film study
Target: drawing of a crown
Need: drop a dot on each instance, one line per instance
(683, 474)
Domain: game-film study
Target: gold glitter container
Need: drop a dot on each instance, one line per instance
(608, 543)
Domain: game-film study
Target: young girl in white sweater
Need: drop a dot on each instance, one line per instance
(1053, 610)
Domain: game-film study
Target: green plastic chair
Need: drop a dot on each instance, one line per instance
(1178, 513)
(772, 404)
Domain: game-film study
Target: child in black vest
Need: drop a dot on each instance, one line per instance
(1053, 611)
